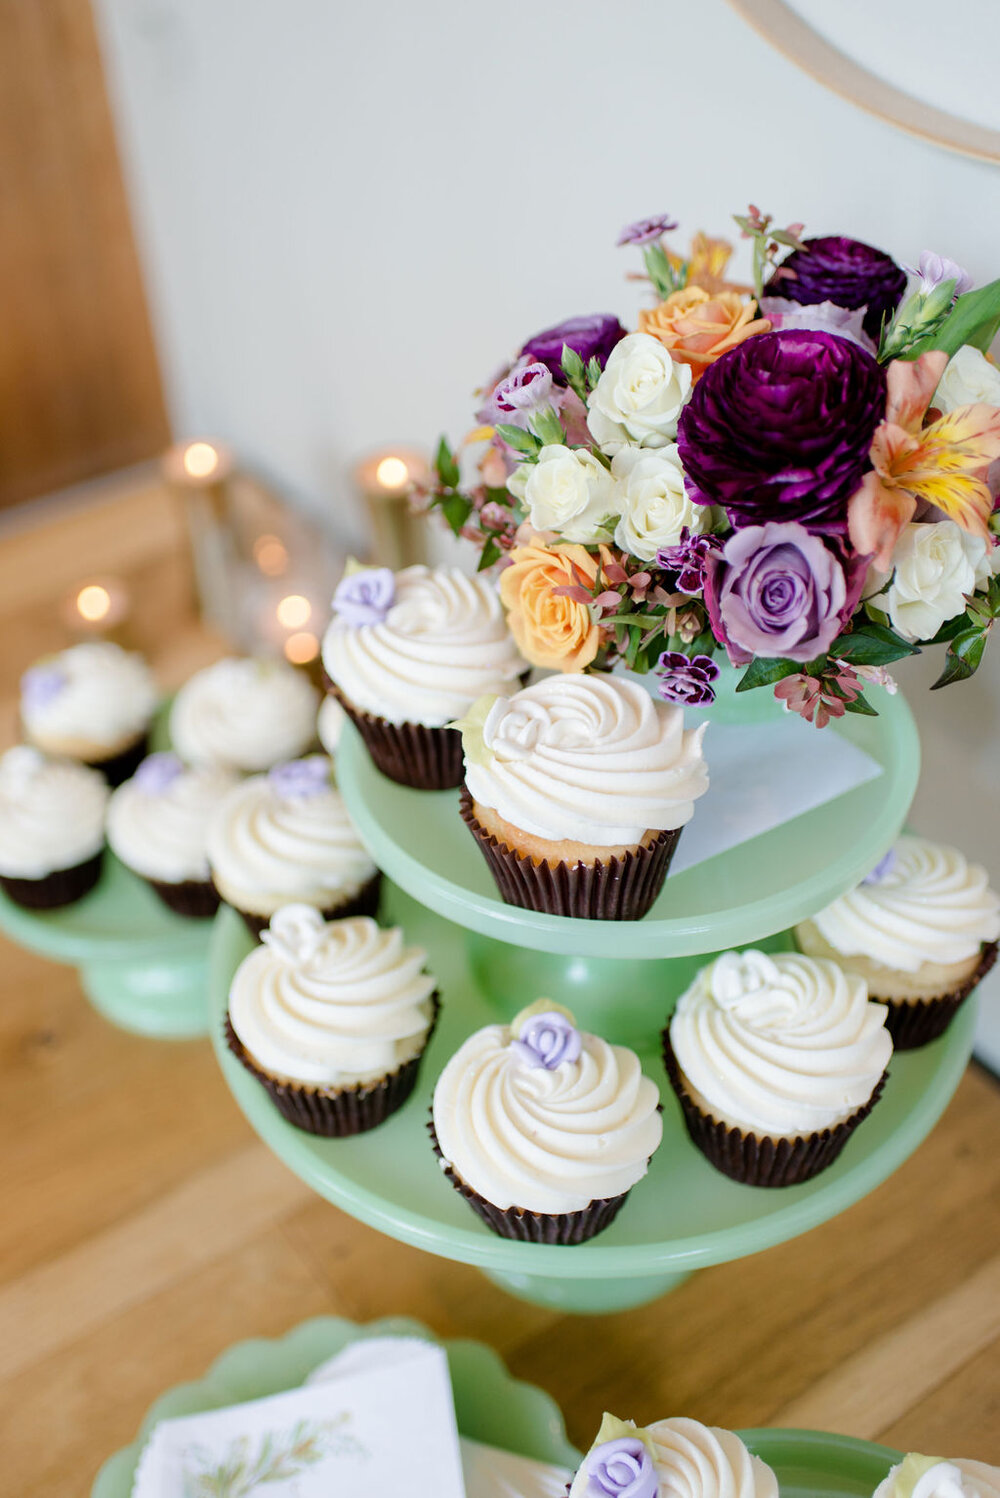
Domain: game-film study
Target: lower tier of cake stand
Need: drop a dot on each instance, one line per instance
(682, 1217)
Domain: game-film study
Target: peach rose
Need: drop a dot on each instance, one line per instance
(550, 628)
(697, 328)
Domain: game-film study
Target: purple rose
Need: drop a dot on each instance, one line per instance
(645, 230)
(365, 597)
(780, 429)
(776, 590)
(547, 1040)
(41, 685)
(158, 772)
(688, 560)
(686, 678)
(297, 779)
(591, 337)
(845, 271)
(622, 1468)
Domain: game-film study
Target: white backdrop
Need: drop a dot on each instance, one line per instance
(350, 213)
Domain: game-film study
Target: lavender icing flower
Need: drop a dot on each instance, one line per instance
(365, 597)
(934, 269)
(622, 1468)
(884, 867)
(686, 678)
(158, 772)
(298, 779)
(591, 337)
(547, 1040)
(41, 685)
(645, 230)
(688, 559)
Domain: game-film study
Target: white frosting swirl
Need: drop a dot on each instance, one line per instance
(929, 905)
(162, 834)
(443, 643)
(919, 1476)
(591, 758)
(782, 1045)
(329, 724)
(99, 698)
(545, 1141)
(244, 715)
(696, 1461)
(266, 849)
(332, 1003)
(51, 814)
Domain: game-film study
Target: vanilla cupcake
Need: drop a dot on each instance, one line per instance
(408, 654)
(244, 715)
(158, 827)
(332, 1018)
(94, 702)
(329, 725)
(51, 828)
(576, 790)
(775, 1060)
(543, 1128)
(919, 1476)
(921, 930)
(284, 838)
(676, 1458)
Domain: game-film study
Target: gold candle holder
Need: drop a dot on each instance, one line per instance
(386, 480)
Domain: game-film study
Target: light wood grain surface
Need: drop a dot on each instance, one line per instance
(144, 1230)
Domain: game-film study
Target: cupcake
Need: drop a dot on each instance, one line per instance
(921, 930)
(284, 838)
(576, 790)
(94, 702)
(329, 724)
(244, 715)
(776, 1060)
(919, 1476)
(675, 1458)
(543, 1128)
(332, 1019)
(51, 828)
(408, 654)
(157, 826)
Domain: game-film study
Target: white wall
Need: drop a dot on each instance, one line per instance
(351, 212)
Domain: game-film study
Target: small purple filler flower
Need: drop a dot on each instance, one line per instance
(622, 1468)
(365, 597)
(688, 559)
(686, 678)
(522, 392)
(591, 337)
(297, 779)
(547, 1040)
(884, 866)
(933, 269)
(645, 230)
(158, 772)
(41, 685)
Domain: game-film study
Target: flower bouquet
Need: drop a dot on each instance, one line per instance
(795, 472)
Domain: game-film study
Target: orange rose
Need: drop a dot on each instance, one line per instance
(551, 629)
(697, 327)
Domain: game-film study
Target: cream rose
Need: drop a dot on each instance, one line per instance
(969, 379)
(567, 491)
(639, 396)
(654, 506)
(935, 564)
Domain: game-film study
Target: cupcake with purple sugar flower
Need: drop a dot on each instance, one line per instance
(94, 703)
(675, 1458)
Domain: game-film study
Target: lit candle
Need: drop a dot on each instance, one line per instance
(386, 480)
(96, 607)
(200, 471)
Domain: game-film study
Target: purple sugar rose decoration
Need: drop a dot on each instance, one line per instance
(158, 772)
(883, 868)
(688, 559)
(365, 597)
(845, 271)
(645, 230)
(781, 427)
(776, 590)
(41, 685)
(686, 678)
(622, 1468)
(547, 1040)
(591, 337)
(297, 779)
(934, 269)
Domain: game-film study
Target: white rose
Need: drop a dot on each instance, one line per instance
(969, 379)
(567, 491)
(654, 506)
(935, 569)
(639, 396)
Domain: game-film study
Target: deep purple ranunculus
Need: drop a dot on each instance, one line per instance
(780, 428)
(845, 271)
(591, 337)
(622, 1468)
(775, 590)
(686, 678)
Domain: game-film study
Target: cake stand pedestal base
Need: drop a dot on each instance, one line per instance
(585, 1297)
(164, 998)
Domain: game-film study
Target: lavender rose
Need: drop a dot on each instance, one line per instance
(776, 590)
(622, 1468)
(780, 428)
(365, 596)
(547, 1040)
(591, 337)
(845, 271)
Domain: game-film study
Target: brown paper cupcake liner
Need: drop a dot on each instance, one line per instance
(118, 768)
(62, 887)
(342, 1112)
(623, 889)
(917, 1023)
(365, 902)
(534, 1227)
(762, 1162)
(196, 898)
(427, 759)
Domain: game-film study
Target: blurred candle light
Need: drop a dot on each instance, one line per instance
(386, 480)
(294, 611)
(96, 608)
(271, 555)
(301, 648)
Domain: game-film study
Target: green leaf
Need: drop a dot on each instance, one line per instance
(447, 468)
(762, 671)
(872, 645)
(572, 366)
(547, 427)
(949, 629)
(521, 442)
(491, 553)
(594, 371)
(861, 705)
(456, 509)
(975, 319)
(964, 655)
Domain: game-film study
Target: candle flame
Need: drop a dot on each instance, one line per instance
(200, 460)
(93, 603)
(392, 473)
(294, 611)
(301, 648)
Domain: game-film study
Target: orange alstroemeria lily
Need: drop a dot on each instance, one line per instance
(944, 463)
(707, 265)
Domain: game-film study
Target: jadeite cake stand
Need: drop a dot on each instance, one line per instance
(490, 1406)
(622, 979)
